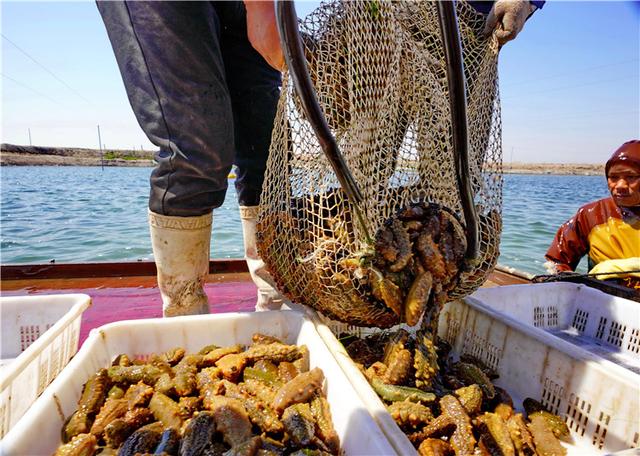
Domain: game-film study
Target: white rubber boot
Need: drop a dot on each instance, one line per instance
(181, 251)
(268, 297)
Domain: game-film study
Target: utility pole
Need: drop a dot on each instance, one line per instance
(29, 136)
(101, 153)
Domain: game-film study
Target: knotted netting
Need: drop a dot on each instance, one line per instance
(379, 72)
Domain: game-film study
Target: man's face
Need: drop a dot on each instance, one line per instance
(624, 184)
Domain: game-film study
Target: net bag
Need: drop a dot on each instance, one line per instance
(379, 72)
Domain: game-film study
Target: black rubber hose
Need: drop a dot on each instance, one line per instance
(297, 63)
(458, 104)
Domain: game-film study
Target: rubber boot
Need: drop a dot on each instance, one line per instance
(268, 297)
(181, 251)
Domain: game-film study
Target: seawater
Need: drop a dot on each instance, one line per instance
(88, 214)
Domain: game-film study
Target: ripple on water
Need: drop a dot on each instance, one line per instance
(76, 214)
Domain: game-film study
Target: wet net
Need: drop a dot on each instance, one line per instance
(379, 72)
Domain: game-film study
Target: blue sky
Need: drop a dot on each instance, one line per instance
(570, 82)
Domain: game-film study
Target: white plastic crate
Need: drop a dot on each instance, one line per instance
(358, 432)
(39, 336)
(599, 400)
(606, 325)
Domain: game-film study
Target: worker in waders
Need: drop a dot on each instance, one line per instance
(203, 80)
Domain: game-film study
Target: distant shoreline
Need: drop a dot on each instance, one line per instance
(575, 169)
(14, 155)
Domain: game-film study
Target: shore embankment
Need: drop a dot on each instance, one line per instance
(16, 155)
(580, 169)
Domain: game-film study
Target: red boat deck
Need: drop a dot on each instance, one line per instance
(128, 291)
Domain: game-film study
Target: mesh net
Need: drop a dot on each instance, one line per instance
(379, 72)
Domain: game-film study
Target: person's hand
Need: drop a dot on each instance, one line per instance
(507, 18)
(262, 31)
(554, 268)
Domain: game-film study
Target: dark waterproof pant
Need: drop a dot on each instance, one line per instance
(201, 93)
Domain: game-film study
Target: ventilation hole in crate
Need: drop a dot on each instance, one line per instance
(601, 430)
(616, 334)
(338, 328)
(55, 363)
(42, 377)
(493, 357)
(578, 414)
(480, 349)
(73, 342)
(601, 325)
(552, 316)
(64, 349)
(474, 345)
(61, 352)
(28, 334)
(551, 395)
(580, 320)
(538, 317)
(467, 342)
(353, 330)
(453, 328)
(634, 341)
(3, 411)
(598, 437)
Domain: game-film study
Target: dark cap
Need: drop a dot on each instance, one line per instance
(628, 154)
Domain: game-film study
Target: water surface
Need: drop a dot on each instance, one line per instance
(86, 214)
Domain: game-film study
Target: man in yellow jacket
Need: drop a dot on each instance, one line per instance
(608, 230)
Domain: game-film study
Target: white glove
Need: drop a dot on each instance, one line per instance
(507, 18)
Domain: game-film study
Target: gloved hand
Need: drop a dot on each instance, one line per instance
(507, 18)
(613, 266)
(262, 31)
(556, 268)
